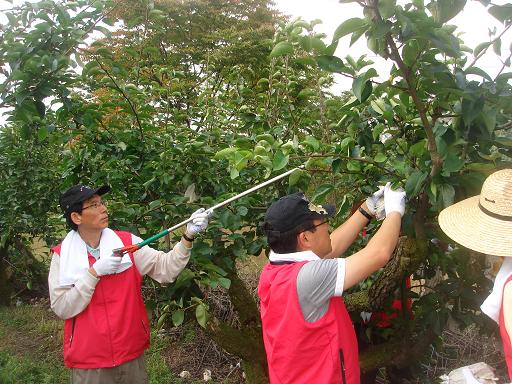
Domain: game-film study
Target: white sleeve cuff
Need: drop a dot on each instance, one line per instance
(182, 250)
(340, 278)
(136, 239)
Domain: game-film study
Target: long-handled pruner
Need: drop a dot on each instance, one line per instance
(134, 247)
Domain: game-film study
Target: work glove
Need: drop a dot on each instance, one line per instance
(394, 201)
(375, 204)
(107, 265)
(199, 222)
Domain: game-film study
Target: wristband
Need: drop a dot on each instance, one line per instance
(187, 238)
(365, 214)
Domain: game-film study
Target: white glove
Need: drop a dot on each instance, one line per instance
(394, 201)
(375, 204)
(107, 265)
(199, 222)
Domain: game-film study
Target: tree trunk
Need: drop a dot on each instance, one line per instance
(5, 281)
(246, 341)
(396, 354)
(406, 259)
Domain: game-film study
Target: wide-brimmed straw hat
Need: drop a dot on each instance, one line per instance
(483, 223)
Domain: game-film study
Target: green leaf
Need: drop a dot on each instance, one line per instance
(433, 188)
(331, 64)
(322, 191)
(380, 158)
(349, 26)
(306, 92)
(224, 153)
(330, 49)
(501, 12)
(419, 148)
(154, 204)
(445, 10)
(410, 52)
(452, 163)
(224, 282)
(445, 42)
(103, 30)
(489, 118)
(387, 8)
(414, 183)
(504, 77)
(318, 44)
(201, 315)
(356, 35)
(177, 317)
(295, 177)
(42, 133)
(267, 137)
(280, 160)
(496, 46)
(379, 106)
(281, 49)
(447, 194)
(505, 141)
(233, 173)
(480, 47)
(312, 142)
(305, 43)
(362, 88)
(353, 166)
(471, 109)
(161, 320)
(477, 71)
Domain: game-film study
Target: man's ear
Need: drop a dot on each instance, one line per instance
(76, 218)
(303, 241)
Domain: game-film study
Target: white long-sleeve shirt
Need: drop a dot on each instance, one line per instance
(68, 302)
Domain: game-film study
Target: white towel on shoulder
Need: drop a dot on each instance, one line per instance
(74, 261)
(492, 305)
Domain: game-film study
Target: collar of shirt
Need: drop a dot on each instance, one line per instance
(95, 252)
(294, 257)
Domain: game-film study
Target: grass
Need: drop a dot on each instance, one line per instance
(31, 349)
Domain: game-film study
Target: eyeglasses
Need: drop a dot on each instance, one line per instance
(96, 205)
(317, 225)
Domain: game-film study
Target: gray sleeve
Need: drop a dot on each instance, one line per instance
(317, 282)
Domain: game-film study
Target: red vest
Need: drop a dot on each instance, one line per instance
(299, 352)
(114, 327)
(507, 347)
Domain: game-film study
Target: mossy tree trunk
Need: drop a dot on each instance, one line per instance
(245, 341)
(5, 280)
(407, 257)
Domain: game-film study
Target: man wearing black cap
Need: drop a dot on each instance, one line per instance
(106, 327)
(308, 334)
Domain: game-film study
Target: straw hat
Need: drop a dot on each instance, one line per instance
(483, 223)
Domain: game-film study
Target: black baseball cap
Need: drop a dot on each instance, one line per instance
(79, 193)
(291, 211)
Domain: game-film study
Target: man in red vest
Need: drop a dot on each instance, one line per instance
(106, 327)
(308, 334)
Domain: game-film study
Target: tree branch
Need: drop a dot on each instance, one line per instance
(485, 49)
(125, 96)
(411, 89)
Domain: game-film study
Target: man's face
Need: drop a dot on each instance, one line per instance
(94, 214)
(320, 240)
